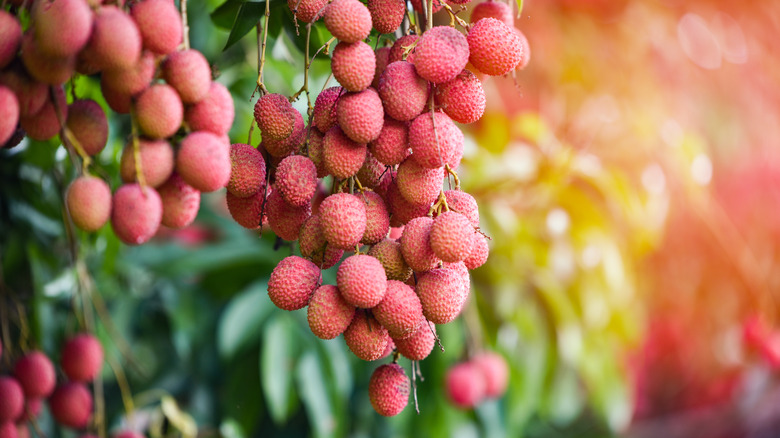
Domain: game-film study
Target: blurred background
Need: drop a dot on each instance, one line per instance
(629, 178)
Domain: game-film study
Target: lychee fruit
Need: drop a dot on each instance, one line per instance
(11, 400)
(342, 156)
(156, 161)
(402, 210)
(441, 53)
(324, 115)
(71, 405)
(293, 282)
(159, 23)
(388, 389)
(87, 121)
(526, 49)
(479, 253)
(388, 252)
(434, 139)
(180, 202)
(115, 42)
(35, 373)
(158, 109)
(30, 93)
(441, 295)
(62, 27)
(131, 80)
(45, 124)
(360, 115)
(213, 113)
(420, 343)
(189, 73)
(203, 161)
(403, 46)
(315, 151)
(82, 357)
(296, 180)
(382, 54)
(462, 98)
(465, 279)
(371, 172)
(328, 313)
(365, 337)
(246, 211)
(348, 20)
(362, 281)
(285, 220)
(9, 113)
(9, 429)
(452, 237)
(32, 409)
(343, 220)
(307, 10)
(377, 218)
(89, 202)
(275, 116)
(465, 385)
(313, 244)
(415, 245)
(463, 203)
(404, 93)
(286, 146)
(493, 9)
(353, 65)
(10, 37)
(495, 49)
(124, 434)
(387, 15)
(496, 372)
(52, 70)
(400, 311)
(392, 145)
(419, 185)
(136, 213)
(247, 170)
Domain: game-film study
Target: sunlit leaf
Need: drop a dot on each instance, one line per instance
(314, 394)
(277, 364)
(240, 323)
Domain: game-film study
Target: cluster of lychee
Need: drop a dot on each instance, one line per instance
(145, 70)
(484, 376)
(386, 140)
(34, 380)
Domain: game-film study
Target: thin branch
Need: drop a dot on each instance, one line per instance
(184, 25)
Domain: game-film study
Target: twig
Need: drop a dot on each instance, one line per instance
(263, 45)
(124, 386)
(184, 25)
(139, 171)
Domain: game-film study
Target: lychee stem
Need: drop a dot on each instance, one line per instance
(139, 173)
(261, 49)
(415, 364)
(67, 137)
(124, 386)
(454, 174)
(184, 25)
(454, 17)
(429, 15)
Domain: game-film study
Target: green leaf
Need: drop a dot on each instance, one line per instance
(314, 393)
(247, 17)
(240, 323)
(225, 14)
(276, 368)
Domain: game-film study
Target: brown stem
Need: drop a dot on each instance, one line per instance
(139, 171)
(263, 45)
(184, 25)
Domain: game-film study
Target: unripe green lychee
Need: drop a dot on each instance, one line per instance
(293, 282)
(434, 139)
(87, 121)
(132, 80)
(348, 20)
(313, 244)
(365, 337)
(495, 49)
(71, 405)
(419, 185)
(496, 372)
(180, 202)
(159, 23)
(296, 180)
(362, 281)
(404, 45)
(381, 55)
(419, 344)
(307, 10)
(10, 37)
(136, 213)
(328, 313)
(462, 98)
(441, 53)
(246, 211)
(159, 110)
(343, 220)
(392, 145)
(9, 114)
(52, 70)
(45, 124)
(189, 73)
(214, 113)
(285, 220)
(353, 65)
(465, 385)
(441, 295)
(404, 93)
(89, 202)
(115, 42)
(493, 9)
(35, 373)
(11, 400)
(203, 161)
(388, 252)
(400, 311)
(247, 170)
(388, 390)
(342, 156)
(156, 161)
(274, 116)
(62, 27)
(377, 218)
(416, 247)
(82, 357)
(387, 15)
(324, 115)
(479, 253)
(452, 236)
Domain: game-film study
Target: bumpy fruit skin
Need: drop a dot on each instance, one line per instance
(159, 110)
(382, 54)
(159, 23)
(348, 20)
(136, 213)
(463, 203)
(495, 49)
(441, 54)
(35, 373)
(362, 281)
(204, 161)
(285, 220)
(189, 73)
(119, 102)
(87, 121)
(401, 210)
(493, 9)
(496, 372)
(293, 282)
(371, 172)
(62, 27)
(342, 156)
(377, 218)
(465, 279)
(180, 202)
(214, 113)
(419, 185)
(274, 116)
(420, 343)
(400, 46)
(156, 161)
(246, 211)
(82, 357)
(11, 401)
(525, 58)
(353, 65)
(387, 15)
(115, 42)
(31, 94)
(465, 385)
(324, 115)
(71, 405)
(441, 295)
(247, 170)
(452, 237)
(404, 93)
(415, 244)
(89, 202)
(9, 114)
(315, 152)
(388, 252)
(312, 243)
(343, 220)
(462, 98)
(296, 180)
(479, 253)
(400, 311)
(434, 139)
(388, 389)
(132, 80)
(360, 115)
(307, 10)
(392, 145)
(10, 37)
(286, 146)
(365, 337)
(52, 70)
(328, 313)
(45, 124)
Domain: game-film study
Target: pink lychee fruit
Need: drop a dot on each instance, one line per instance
(293, 282)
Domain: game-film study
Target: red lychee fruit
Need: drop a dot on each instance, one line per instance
(10, 37)
(296, 180)
(360, 115)
(479, 253)
(136, 213)
(156, 161)
(353, 65)
(283, 148)
(315, 152)
(159, 110)
(203, 161)
(402, 211)
(465, 279)
(434, 139)
(388, 389)
(87, 121)
(246, 211)
(371, 172)
(388, 252)
(307, 10)
(343, 220)
(45, 124)
(124, 434)
(392, 145)
(419, 185)
(247, 170)
(324, 115)
(82, 357)
(32, 409)
(313, 244)
(493, 9)
(189, 73)
(441, 53)
(180, 202)
(9, 113)
(452, 237)
(416, 247)
(89, 202)
(365, 337)
(342, 156)
(420, 343)
(71, 405)
(11, 400)
(62, 27)
(132, 80)
(214, 113)
(381, 54)
(463, 203)
(285, 220)
(526, 49)
(115, 42)
(35, 373)
(159, 23)
(496, 372)
(465, 385)
(404, 93)
(403, 46)
(377, 218)
(328, 313)
(9, 429)
(495, 49)
(293, 282)
(387, 15)
(30, 93)
(275, 116)
(400, 311)
(348, 20)
(52, 70)
(441, 295)
(362, 281)
(462, 98)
